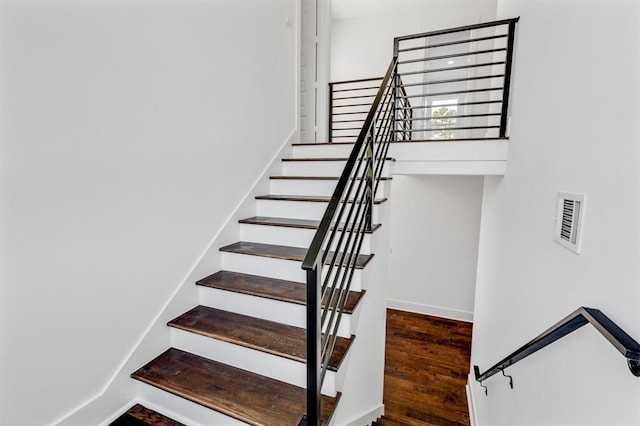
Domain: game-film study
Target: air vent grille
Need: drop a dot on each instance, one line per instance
(569, 220)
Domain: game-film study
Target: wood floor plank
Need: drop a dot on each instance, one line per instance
(249, 397)
(267, 336)
(270, 288)
(426, 367)
(282, 252)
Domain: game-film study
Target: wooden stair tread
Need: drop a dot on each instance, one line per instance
(312, 198)
(269, 288)
(385, 421)
(282, 252)
(139, 415)
(246, 396)
(394, 142)
(325, 159)
(396, 420)
(321, 143)
(292, 223)
(318, 177)
(267, 336)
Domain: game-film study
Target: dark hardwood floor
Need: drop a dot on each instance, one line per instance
(426, 368)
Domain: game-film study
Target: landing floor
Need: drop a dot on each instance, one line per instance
(426, 368)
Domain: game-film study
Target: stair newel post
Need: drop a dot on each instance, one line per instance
(330, 121)
(507, 79)
(314, 366)
(394, 92)
(369, 162)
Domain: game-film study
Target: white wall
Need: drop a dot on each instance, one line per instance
(575, 128)
(435, 222)
(124, 147)
(362, 34)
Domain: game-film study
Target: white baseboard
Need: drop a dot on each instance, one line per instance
(366, 418)
(436, 311)
(471, 402)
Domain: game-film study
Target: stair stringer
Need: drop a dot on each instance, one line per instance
(362, 383)
(120, 391)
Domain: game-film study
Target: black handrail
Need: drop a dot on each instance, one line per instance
(344, 223)
(624, 343)
(457, 29)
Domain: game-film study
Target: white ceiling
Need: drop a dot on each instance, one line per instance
(347, 9)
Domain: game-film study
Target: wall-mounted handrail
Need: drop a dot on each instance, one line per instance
(334, 253)
(622, 341)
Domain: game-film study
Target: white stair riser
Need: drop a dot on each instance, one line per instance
(297, 237)
(170, 404)
(319, 168)
(297, 209)
(275, 268)
(273, 366)
(272, 310)
(323, 151)
(312, 187)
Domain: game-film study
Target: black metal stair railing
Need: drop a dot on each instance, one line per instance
(331, 260)
(622, 341)
(449, 84)
(349, 104)
(456, 82)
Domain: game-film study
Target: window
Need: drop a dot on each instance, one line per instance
(443, 118)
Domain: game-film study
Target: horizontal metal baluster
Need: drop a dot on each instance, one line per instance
(453, 55)
(452, 43)
(453, 92)
(457, 67)
(458, 104)
(454, 80)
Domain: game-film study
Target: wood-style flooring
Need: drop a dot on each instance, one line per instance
(426, 368)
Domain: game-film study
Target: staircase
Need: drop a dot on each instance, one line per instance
(241, 352)
(275, 338)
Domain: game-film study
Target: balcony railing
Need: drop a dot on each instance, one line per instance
(449, 84)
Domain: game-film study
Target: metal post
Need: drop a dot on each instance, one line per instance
(330, 111)
(369, 150)
(394, 100)
(314, 366)
(507, 79)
